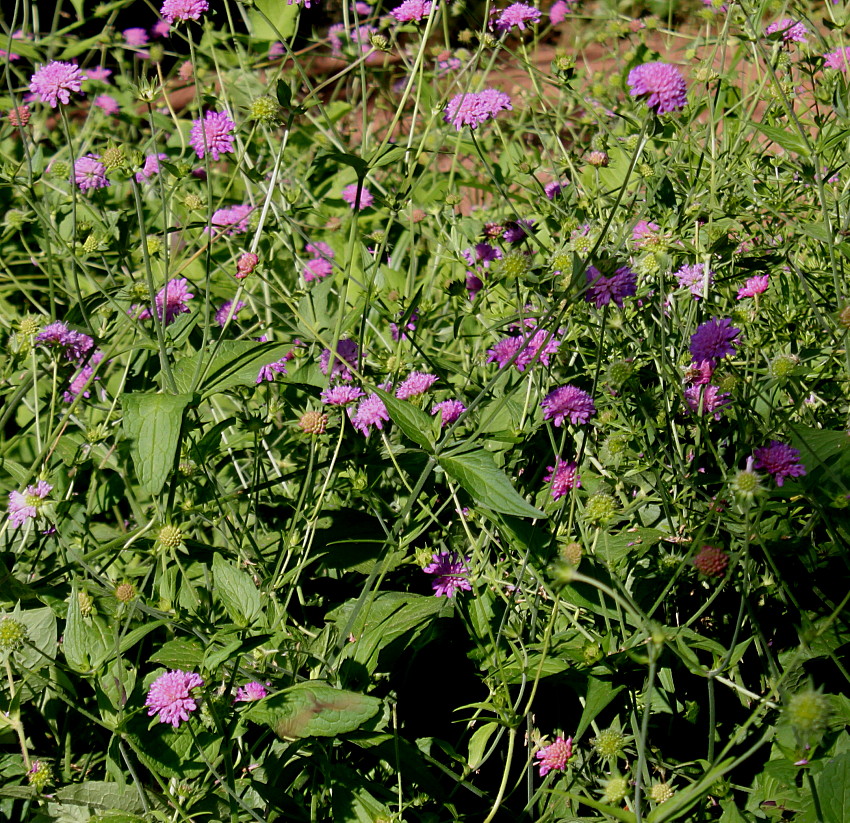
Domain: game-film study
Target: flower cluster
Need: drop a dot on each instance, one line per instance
(602, 290)
(661, 84)
(792, 30)
(520, 15)
(170, 696)
(25, 506)
(79, 349)
(451, 573)
(563, 476)
(349, 194)
(415, 383)
(346, 359)
(474, 108)
(713, 340)
(449, 411)
(231, 219)
(174, 10)
(412, 11)
(779, 460)
(568, 403)
(697, 278)
(370, 412)
(212, 135)
(90, 173)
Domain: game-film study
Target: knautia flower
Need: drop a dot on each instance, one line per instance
(19, 116)
(370, 412)
(74, 343)
(704, 399)
(838, 59)
(414, 384)
(602, 290)
(515, 231)
(90, 173)
(213, 134)
(564, 476)
(226, 310)
(472, 109)
(713, 340)
(171, 300)
(246, 264)
(412, 11)
(559, 11)
(150, 167)
(451, 573)
(643, 230)
(520, 15)
(81, 381)
(26, 505)
(320, 265)
(13, 634)
(610, 743)
(792, 30)
(555, 755)
(697, 278)
(313, 422)
(174, 10)
(341, 395)
(233, 219)
(349, 194)
(54, 82)
(568, 403)
(269, 372)
(347, 353)
(711, 561)
(808, 712)
(661, 792)
(661, 84)
(449, 411)
(553, 189)
(170, 696)
(98, 73)
(527, 347)
(135, 37)
(160, 29)
(107, 104)
(754, 286)
(779, 460)
(250, 691)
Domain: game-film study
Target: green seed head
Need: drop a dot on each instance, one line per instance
(114, 157)
(91, 244)
(125, 593)
(600, 508)
(808, 713)
(782, 366)
(571, 553)
(513, 265)
(661, 792)
(28, 326)
(265, 110)
(39, 775)
(618, 372)
(86, 603)
(12, 634)
(193, 202)
(610, 743)
(171, 536)
(616, 789)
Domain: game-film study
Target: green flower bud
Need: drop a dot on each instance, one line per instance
(12, 634)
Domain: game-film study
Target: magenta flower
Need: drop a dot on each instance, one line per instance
(412, 11)
(25, 506)
(135, 37)
(643, 230)
(755, 285)
(212, 134)
(107, 103)
(568, 402)
(602, 290)
(559, 11)
(449, 411)
(529, 346)
(232, 219)
(250, 691)
(171, 300)
(553, 189)
(246, 264)
(713, 340)
(370, 412)
(516, 231)
(517, 14)
(397, 333)
(349, 194)
(699, 374)
(150, 167)
(555, 756)
(90, 173)
(711, 561)
(170, 696)
(319, 265)
(173, 10)
(160, 29)
(661, 84)
(702, 399)
(76, 345)
(54, 82)
(779, 460)
(98, 73)
(341, 395)
(81, 381)
(838, 59)
(564, 476)
(414, 384)
(472, 109)
(272, 370)
(451, 574)
(792, 30)
(694, 278)
(225, 310)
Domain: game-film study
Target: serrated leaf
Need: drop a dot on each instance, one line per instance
(788, 140)
(102, 796)
(417, 425)
(236, 591)
(152, 422)
(478, 473)
(179, 654)
(834, 789)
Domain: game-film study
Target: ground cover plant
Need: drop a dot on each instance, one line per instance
(424, 412)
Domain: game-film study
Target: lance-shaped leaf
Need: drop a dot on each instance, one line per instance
(417, 425)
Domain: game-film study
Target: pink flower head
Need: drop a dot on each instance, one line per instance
(564, 476)
(24, 506)
(173, 10)
(532, 346)
(472, 109)
(161, 29)
(250, 691)
(792, 30)
(370, 412)
(170, 696)
(150, 168)
(555, 756)
(553, 189)
(702, 398)
(412, 11)
(171, 300)
(76, 345)
(135, 37)
(520, 15)
(317, 268)
(451, 572)
(81, 381)
(246, 264)
(755, 285)
(713, 340)
(449, 411)
(272, 370)
(568, 402)
(212, 134)
(225, 311)
(234, 219)
(54, 82)
(661, 84)
(838, 59)
(602, 290)
(699, 374)
(346, 359)
(697, 278)
(19, 116)
(349, 194)
(341, 395)
(90, 173)
(779, 460)
(559, 11)
(644, 230)
(98, 73)
(106, 103)
(415, 383)
(711, 561)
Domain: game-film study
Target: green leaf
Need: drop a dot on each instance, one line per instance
(788, 140)
(478, 473)
(236, 591)
(623, 815)
(478, 743)
(179, 654)
(41, 636)
(314, 709)
(599, 694)
(359, 165)
(273, 20)
(284, 94)
(75, 643)
(417, 425)
(152, 422)
(834, 789)
(102, 796)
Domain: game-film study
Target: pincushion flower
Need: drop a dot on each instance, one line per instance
(174, 10)
(171, 300)
(451, 571)
(568, 403)
(449, 411)
(555, 756)
(76, 345)
(838, 59)
(602, 290)
(792, 30)
(54, 82)
(347, 353)
(25, 506)
(150, 167)
(553, 189)
(170, 696)
(520, 15)
(755, 285)
(135, 36)
(370, 412)
(472, 109)
(779, 460)
(341, 395)
(713, 340)
(269, 372)
(319, 265)
(107, 103)
(559, 11)
(90, 173)
(528, 347)
(212, 134)
(250, 691)
(225, 311)
(697, 278)
(234, 219)
(661, 84)
(415, 383)
(564, 476)
(412, 11)
(349, 194)
(703, 398)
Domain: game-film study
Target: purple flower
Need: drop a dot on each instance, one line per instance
(517, 14)
(150, 168)
(568, 402)
(694, 278)
(54, 82)
(451, 574)
(472, 109)
(602, 290)
(349, 194)
(370, 412)
(838, 59)
(564, 476)
(409, 326)
(183, 10)
(713, 340)
(644, 230)
(553, 189)
(555, 756)
(234, 219)
(170, 696)
(98, 73)
(412, 10)
(346, 359)
(699, 374)
(449, 411)
(224, 311)
(559, 11)
(517, 230)
(25, 506)
(415, 383)
(90, 173)
(755, 285)
(529, 345)
(161, 29)
(107, 103)
(272, 370)
(135, 37)
(792, 30)
(81, 380)
(661, 84)
(319, 265)
(780, 460)
(213, 133)
(76, 344)
(250, 691)
(341, 395)
(706, 399)
(171, 300)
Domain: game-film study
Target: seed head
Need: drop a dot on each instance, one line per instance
(661, 792)
(610, 743)
(12, 634)
(782, 366)
(711, 561)
(808, 713)
(28, 326)
(155, 244)
(265, 110)
(616, 789)
(171, 537)
(91, 244)
(60, 169)
(114, 157)
(125, 593)
(618, 372)
(193, 202)
(597, 158)
(600, 508)
(571, 554)
(313, 422)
